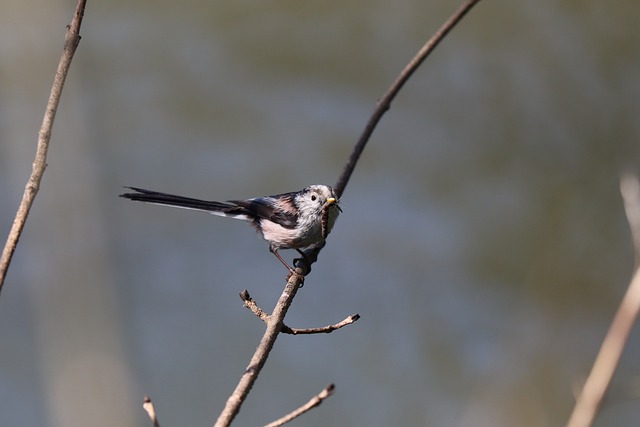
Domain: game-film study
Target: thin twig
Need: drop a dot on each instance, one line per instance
(315, 401)
(72, 39)
(251, 304)
(322, 330)
(606, 362)
(385, 102)
(151, 411)
(274, 326)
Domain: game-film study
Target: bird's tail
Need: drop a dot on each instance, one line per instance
(216, 208)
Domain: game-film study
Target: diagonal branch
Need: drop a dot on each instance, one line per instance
(147, 405)
(274, 326)
(630, 189)
(251, 304)
(385, 102)
(72, 39)
(315, 401)
(275, 320)
(606, 362)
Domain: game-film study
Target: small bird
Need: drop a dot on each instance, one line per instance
(293, 220)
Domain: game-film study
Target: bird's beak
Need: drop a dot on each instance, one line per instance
(333, 201)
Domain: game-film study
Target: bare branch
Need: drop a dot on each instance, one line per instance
(275, 320)
(385, 102)
(72, 39)
(315, 401)
(274, 326)
(253, 306)
(630, 189)
(323, 330)
(606, 362)
(151, 411)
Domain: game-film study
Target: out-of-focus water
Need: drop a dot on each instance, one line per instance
(483, 238)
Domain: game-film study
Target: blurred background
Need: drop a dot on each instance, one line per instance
(483, 239)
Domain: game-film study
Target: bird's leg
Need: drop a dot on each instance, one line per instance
(291, 270)
(275, 252)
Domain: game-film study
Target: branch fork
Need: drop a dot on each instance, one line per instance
(250, 303)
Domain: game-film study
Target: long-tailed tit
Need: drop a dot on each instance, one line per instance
(294, 220)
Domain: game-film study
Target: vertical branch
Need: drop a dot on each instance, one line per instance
(606, 362)
(72, 39)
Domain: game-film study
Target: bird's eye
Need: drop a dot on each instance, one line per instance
(313, 198)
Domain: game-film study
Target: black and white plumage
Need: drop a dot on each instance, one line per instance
(294, 220)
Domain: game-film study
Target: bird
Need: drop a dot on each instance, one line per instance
(294, 220)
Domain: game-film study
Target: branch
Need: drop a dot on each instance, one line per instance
(606, 362)
(72, 39)
(630, 189)
(151, 411)
(315, 401)
(274, 326)
(251, 304)
(275, 320)
(322, 330)
(385, 103)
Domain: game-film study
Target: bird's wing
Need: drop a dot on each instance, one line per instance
(279, 209)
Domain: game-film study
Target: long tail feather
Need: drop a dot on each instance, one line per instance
(216, 208)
